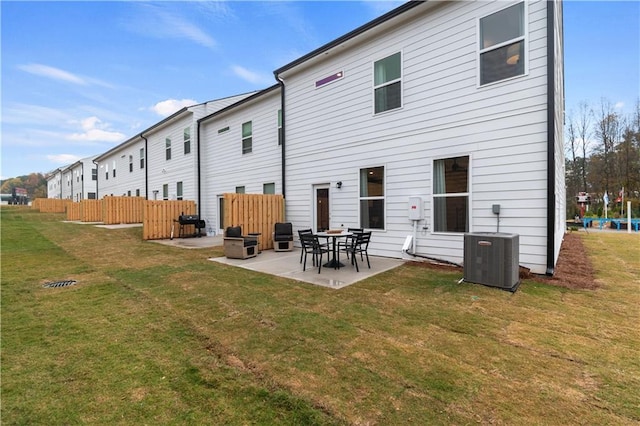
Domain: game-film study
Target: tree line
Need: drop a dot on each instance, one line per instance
(34, 183)
(603, 155)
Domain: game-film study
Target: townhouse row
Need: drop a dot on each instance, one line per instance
(415, 124)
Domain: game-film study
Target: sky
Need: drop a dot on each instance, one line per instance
(78, 78)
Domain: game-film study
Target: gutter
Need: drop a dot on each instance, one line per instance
(198, 167)
(146, 168)
(551, 139)
(284, 137)
(97, 177)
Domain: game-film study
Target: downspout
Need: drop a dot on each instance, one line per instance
(198, 166)
(551, 139)
(146, 168)
(82, 180)
(97, 177)
(284, 133)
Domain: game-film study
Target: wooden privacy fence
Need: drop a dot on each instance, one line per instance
(159, 217)
(123, 210)
(256, 213)
(74, 211)
(91, 210)
(50, 205)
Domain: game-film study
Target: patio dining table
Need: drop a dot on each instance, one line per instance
(333, 263)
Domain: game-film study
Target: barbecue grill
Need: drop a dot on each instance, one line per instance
(190, 219)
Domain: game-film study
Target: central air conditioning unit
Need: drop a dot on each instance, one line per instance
(492, 259)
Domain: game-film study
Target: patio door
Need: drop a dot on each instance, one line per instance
(321, 207)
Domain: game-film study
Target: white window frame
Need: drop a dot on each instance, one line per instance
(374, 86)
(268, 185)
(467, 194)
(165, 191)
(142, 158)
(186, 135)
(376, 197)
(243, 137)
(179, 190)
(167, 149)
(524, 37)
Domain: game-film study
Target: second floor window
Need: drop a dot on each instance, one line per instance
(280, 134)
(130, 163)
(142, 158)
(502, 44)
(94, 174)
(167, 144)
(187, 140)
(387, 83)
(247, 137)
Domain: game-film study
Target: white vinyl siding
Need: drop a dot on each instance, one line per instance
(224, 167)
(332, 133)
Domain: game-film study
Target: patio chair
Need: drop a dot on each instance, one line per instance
(359, 244)
(342, 245)
(238, 246)
(283, 237)
(311, 245)
(302, 232)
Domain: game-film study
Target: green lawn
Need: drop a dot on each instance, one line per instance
(152, 334)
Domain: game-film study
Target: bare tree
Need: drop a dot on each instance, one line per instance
(607, 130)
(583, 133)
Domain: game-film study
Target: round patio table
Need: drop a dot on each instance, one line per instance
(333, 263)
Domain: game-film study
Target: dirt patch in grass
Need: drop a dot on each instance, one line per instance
(573, 270)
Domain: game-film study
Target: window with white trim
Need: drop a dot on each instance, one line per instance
(167, 147)
(187, 140)
(502, 44)
(142, 158)
(114, 168)
(372, 201)
(247, 137)
(451, 194)
(130, 163)
(179, 190)
(240, 190)
(94, 174)
(165, 191)
(387, 83)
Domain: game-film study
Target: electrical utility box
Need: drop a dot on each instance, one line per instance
(492, 259)
(416, 210)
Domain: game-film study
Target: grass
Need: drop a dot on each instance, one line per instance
(157, 334)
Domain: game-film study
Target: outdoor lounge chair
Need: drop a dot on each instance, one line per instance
(237, 246)
(283, 237)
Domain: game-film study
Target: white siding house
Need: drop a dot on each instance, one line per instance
(240, 152)
(172, 156)
(121, 170)
(83, 179)
(54, 184)
(458, 103)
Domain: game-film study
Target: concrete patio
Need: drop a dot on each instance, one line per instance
(287, 265)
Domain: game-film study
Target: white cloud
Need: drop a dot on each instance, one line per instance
(161, 22)
(251, 76)
(53, 73)
(619, 105)
(95, 131)
(168, 107)
(63, 159)
(22, 114)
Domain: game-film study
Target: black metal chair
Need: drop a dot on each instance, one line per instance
(311, 245)
(359, 244)
(342, 245)
(302, 232)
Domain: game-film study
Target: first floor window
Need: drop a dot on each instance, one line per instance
(269, 188)
(137, 192)
(179, 190)
(387, 83)
(91, 195)
(247, 137)
(165, 191)
(372, 198)
(451, 194)
(239, 189)
(128, 193)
